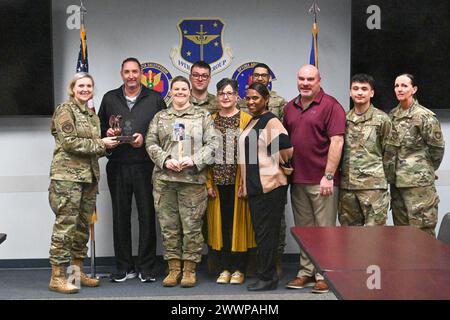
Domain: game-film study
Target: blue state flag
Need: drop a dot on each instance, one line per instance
(314, 55)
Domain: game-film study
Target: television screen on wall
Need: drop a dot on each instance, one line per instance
(390, 37)
(26, 69)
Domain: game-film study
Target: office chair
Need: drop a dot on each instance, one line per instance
(444, 230)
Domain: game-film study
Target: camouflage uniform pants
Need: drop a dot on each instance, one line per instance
(180, 208)
(73, 204)
(363, 207)
(416, 206)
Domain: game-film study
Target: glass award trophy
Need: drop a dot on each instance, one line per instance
(123, 130)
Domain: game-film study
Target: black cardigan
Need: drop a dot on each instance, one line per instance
(148, 103)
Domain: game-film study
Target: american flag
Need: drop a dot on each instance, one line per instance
(82, 62)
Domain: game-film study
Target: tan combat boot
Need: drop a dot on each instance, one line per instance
(84, 279)
(189, 276)
(174, 275)
(58, 281)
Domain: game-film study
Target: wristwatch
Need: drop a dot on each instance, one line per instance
(329, 176)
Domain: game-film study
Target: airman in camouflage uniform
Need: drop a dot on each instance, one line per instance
(367, 160)
(210, 103)
(414, 197)
(181, 197)
(200, 78)
(74, 177)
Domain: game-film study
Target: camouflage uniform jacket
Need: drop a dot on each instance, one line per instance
(76, 130)
(276, 105)
(200, 143)
(421, 145)
(210, 103)
(367, 154)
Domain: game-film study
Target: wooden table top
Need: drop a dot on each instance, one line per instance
(393, 285)
(356, 248)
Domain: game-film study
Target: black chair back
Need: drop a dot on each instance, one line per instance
(444, 230)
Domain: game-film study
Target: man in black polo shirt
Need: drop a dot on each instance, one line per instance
(129, 171)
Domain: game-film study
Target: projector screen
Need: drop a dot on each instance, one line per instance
(390, 37)
(26, 69)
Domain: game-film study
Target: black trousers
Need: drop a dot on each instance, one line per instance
(124, 180)
(227, 259)
(266, 211)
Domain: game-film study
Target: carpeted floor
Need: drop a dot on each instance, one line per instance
(33, 284)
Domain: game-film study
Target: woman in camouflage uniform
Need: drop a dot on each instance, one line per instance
(74, 178)
(421, 149)
(181, 141)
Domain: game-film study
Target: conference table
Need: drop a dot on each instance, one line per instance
(411, 264)
(2, 237)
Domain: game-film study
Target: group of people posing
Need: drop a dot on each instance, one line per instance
(219, 167)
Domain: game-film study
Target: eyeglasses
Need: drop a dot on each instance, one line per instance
(203, 76)
(260, 75)
(222, 95)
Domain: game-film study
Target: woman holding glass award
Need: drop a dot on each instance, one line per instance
(181, 141)
(74, 178)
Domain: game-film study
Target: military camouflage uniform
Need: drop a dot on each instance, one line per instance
(368, 158)
(74, 177)
(210, 103)
(276, 105)
(420, 152)
(181, 197)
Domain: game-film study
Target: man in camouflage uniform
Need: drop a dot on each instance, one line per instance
(181, 196)
(367, 161)
(261, 74)
(74, 175)
(421, 149)
(200, 78)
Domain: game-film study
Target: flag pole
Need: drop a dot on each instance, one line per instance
(82, 65)
(83, 12)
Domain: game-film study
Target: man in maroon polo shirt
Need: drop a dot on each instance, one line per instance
(315, 122)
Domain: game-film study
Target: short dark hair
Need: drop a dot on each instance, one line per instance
(201, 64)
(180, 79)
(363, 78)
(410, 76)
(227, 82)
(131, 59)
(262, 65)
(260, 88)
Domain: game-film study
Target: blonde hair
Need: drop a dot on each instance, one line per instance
(76, 77)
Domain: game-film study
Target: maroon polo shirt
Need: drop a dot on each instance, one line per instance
(310, 131)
